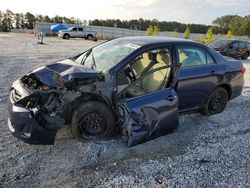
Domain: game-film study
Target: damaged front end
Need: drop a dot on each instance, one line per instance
(36, 118)
(41, 101)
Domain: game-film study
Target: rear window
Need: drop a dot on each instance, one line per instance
(219, 43)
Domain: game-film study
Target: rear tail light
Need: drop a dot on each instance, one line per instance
(243, 70)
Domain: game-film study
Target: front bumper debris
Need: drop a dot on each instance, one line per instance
(24, 127)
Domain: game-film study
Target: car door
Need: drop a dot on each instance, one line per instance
(199, 75)
(242, 49)
(233, 49)
(150, 114)
(80, 33)
(74, 32)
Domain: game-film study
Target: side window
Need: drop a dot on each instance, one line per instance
(136, 73)
(235, 45)
(80, 29)
(191, 56)
(74, 29)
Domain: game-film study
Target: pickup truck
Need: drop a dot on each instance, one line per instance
(77, 32)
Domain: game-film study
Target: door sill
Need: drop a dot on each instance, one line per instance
(189, 110)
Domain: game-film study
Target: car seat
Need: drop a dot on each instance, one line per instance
(142, 65)
(156, 80)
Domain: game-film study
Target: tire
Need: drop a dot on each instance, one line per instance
(92, 120)
(90, 37)
(246, 55)
(216, 102)
(66, 36)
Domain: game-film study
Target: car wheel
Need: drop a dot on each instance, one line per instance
(246, 55)
(92, 120)
(66, 36)
(216, 102)
(90, 37)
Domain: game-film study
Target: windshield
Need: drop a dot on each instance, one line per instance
(106, 55)
(219, 43)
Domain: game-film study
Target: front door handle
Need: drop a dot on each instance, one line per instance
(170, 98)
(212, 73)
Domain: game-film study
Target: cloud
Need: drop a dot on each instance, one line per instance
(133, 4)
(188, 11)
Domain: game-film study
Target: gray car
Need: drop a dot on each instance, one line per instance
(77, 32)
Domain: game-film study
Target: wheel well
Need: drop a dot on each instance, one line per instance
(101, 99)
(89, 35)
(228, 89)
(66, 34)
(91, 97)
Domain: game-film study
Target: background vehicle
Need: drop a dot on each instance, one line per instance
(77, 32)
(138, 83)
(233, 48)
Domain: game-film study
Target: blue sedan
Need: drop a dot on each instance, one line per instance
(135, 85)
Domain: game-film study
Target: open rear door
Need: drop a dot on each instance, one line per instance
(150, 115)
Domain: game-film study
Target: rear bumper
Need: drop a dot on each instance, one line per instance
(237, 86)
(24, 127)
(236, 92)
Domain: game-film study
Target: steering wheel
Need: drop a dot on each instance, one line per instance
(130, 73)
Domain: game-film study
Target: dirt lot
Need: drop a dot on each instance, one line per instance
(204, 152)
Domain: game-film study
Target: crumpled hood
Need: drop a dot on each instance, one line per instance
(63, 71)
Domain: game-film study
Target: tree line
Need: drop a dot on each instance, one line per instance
(143, 24)
(10, 20)
(237, 25)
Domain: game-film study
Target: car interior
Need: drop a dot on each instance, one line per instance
(146, 62)
(191, 57)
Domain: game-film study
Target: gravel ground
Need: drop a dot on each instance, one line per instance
(204, 152)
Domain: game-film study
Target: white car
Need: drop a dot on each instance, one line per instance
(77, 32)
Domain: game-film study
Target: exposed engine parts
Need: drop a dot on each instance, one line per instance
(48, 107)
(33, 83)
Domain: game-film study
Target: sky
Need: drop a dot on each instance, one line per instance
(185, 11)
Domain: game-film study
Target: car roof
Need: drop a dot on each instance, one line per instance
(234, 40)
(144, 40)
